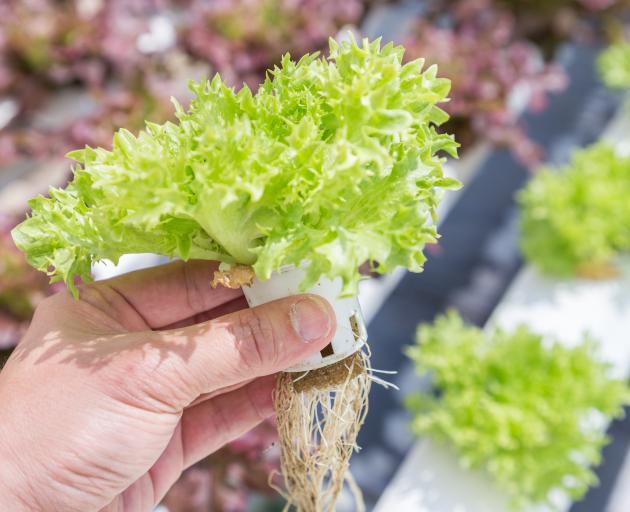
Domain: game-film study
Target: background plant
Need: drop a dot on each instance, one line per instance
(576, 217)
(614, 66)
(98, 51)
(550, 23)
(475, 47)
(49, 44)
(510, 403)
(241, 39)
(131, 56)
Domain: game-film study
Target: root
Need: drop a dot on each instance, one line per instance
(329, 376)
(319, 417)
(235, 277)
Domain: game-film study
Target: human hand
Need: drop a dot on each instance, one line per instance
(108, 398)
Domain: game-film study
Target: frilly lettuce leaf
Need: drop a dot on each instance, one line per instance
(614, 65)
(529, 411)
(333, 162)
(577, 215)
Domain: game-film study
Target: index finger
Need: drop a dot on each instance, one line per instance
(173, 292)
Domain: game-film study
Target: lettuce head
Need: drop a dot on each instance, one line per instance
(333, 162)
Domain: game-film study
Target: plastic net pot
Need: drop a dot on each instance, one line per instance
(350, 335)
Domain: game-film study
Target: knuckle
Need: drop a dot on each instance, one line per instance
(146, 377)
(255, 339)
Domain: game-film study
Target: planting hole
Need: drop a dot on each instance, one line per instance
(354, 323)
(327, 350)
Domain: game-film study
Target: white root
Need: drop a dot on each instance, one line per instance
(318, 428)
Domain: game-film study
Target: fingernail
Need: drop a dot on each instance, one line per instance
(310, 319)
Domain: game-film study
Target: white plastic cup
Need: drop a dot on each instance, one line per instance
(285, 282)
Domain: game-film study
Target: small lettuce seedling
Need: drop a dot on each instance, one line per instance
(529, 411)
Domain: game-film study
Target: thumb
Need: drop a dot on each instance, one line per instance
(242, 345)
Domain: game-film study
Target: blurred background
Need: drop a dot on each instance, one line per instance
(529, 86)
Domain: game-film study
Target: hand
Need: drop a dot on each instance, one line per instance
(108, 398)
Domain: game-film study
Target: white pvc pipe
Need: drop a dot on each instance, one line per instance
(285, 283)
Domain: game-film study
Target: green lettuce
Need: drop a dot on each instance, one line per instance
(614, 65)
(577, 215)
(334, 161)
(528, 411)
